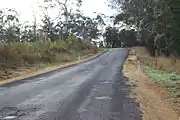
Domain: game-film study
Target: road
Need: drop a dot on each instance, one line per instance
(93, 90)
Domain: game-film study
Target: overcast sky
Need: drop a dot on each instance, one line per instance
(25, 8)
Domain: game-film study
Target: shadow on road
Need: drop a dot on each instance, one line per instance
(124, 107)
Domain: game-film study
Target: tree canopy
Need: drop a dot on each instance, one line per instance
(157, 23)
(70, 21)
(115, 38)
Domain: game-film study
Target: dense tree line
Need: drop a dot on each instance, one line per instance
(157, 23)
(115, 38)
(70, 21)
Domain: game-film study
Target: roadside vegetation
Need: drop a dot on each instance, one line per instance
(163, 73)
(163, 70)
(149, 90)
(15, 56)
(170, 80)
(38, 44)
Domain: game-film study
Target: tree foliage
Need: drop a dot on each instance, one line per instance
(116, 38)
(69, 21)
(112, 37)
(157, 23)
(128, 37)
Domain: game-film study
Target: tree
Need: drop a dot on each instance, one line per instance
(69, 22)
(128, 37)
(156, 21)
(48, 28)
(83, 26)
(9, 28)
(112, 37)
(64, 9)
(28, 33)
(101, 44)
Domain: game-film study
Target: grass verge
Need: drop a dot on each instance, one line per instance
(169, 79)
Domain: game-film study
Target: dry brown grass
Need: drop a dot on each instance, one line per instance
(15, 56)
(26, 73)
(170, 64)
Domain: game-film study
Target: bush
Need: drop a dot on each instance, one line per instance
(20, 54)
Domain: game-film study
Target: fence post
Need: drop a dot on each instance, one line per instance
(139, 67)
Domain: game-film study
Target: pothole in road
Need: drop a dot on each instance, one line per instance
(105, 82)
(8, 113)
(10, 118)
(103, 98)
(82, 110)
(13, 113)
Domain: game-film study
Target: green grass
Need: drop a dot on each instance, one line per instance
(170, 80)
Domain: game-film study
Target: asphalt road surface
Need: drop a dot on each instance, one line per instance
(93, 90)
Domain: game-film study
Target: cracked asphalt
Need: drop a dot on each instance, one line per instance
(92, 90)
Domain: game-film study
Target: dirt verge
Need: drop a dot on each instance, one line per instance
(153, 98)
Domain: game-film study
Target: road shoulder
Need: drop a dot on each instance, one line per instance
(153, 98)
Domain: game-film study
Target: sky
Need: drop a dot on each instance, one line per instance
(26, 8)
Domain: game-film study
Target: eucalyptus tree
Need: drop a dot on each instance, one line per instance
(9, 25)
(156, 21)
(65, 9)
(111, 36)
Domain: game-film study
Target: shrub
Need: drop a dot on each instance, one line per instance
(15, 55)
